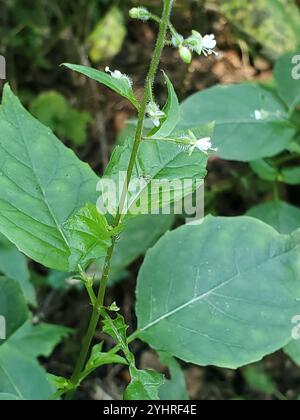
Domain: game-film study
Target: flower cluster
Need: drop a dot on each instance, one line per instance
(155, 113)
(194, 43)
(118, 75)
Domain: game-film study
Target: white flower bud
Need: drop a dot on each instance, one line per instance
(139, 13)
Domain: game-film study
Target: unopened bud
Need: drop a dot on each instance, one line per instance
(139, 13)
(185, 54)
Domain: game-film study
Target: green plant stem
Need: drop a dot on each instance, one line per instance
(87, 341)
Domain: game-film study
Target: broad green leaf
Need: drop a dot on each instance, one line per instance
(288, 85)
(264, 170)
(158, 163)
(273, 23)
(120, 86)
(52, 109)
(175, 387)
(258, 380)
(282, 216)
(251, 122)
(291, 175)
(89, 235)
(9, 397)
(22, 376)
(107, 37)
(13, 308)
(144, 385)
(42, 184)
(220, 293)
(172, 111)
(38, 340)
(293, 351)
(13, 265)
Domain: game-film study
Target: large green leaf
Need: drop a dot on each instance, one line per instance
(288, 86)
(280, 215)
(158, 161)
(13, 309)
(22, 376)
(251, 122)
(120, 86)
(222, 292)
(273, 23)
(20, 373)
(42, 184)
(13, 264)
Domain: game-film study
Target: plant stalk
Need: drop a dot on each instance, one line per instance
(96, 314)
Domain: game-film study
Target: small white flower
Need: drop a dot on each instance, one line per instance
(118, 75)
(258, 115)
(208, 44)
(204, 144)
(154, 113)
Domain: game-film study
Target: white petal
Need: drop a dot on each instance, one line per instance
(209, 42)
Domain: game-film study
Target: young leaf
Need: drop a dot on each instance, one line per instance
(99, 358)
(264, 170)
(280, 215)
(117, 329)
(89, 235)
(287, 85)
(230, 289)
(42, 184)
(175, 387)
(13, 265)
(172, 112)
(251, 121)
(13, 308)
(120, 86)
(144, 385)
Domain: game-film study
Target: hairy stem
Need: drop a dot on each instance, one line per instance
(87, 341)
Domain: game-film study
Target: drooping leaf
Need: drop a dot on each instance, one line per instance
(175, 387)
(287, 84)
(144, 385)
(13, 308)
(120, 86)
(230, 289)
(107, 37)
(282, 216)
(89, 235)
(246, 130)
(273, 23)
(42, 184)
(13, 265)
(171, 110)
